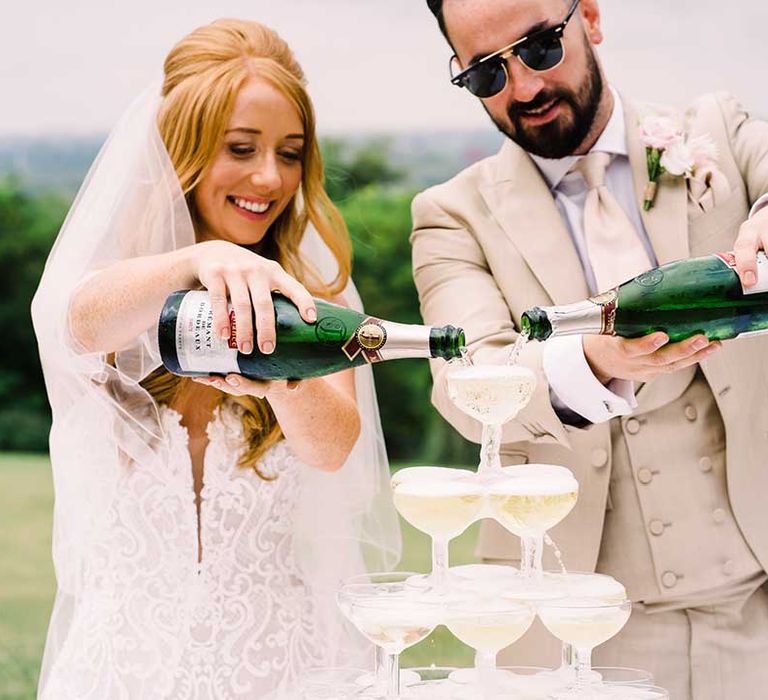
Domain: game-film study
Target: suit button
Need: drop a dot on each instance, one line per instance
(729, 567)
(719, 515)
(705, 464)
(633, 426)
(690, 412)
(669, 579)
(645, 476)
(599, 457)
(656, 527)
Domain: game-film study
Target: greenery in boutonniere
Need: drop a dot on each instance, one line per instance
(669, 151)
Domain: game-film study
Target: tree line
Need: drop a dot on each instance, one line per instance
(374, 198)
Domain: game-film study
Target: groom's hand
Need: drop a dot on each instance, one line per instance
(642, 359)
(753, 236)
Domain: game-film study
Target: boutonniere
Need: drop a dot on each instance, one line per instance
(668, 150)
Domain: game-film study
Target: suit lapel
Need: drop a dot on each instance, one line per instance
(522, 203)
(667, 221)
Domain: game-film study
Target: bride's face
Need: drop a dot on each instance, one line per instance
(257, 170)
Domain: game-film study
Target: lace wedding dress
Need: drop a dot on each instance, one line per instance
(154, 622)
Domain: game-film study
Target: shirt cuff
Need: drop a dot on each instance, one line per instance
(758, 205)
(573, 382)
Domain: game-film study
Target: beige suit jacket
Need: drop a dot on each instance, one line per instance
(490, 243)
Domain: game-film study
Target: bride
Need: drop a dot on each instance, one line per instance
(201, 526)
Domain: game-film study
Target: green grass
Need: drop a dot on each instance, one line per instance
(27, 585)
(26, 571)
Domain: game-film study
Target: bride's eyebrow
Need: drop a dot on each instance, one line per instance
(257, 132)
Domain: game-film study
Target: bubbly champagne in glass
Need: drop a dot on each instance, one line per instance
(584, 623)
(439, 502)
(585, 626)
(491, 631)
(532, 499)
(493, 395)
(391, 623)
(487, 625)
(528, 500)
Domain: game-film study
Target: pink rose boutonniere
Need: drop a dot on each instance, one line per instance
(668, 150)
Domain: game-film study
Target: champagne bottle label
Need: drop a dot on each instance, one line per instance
(198, 346)
(762, 271)
(608, 303)
(368, 339)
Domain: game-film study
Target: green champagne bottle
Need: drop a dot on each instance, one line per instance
(682, 298)
(339, 339)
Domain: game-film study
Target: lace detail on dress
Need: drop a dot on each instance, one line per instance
(153, 622)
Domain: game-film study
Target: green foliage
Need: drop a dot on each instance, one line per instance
(28, 227)
(349, 169)
(379, 222)
(362, 181)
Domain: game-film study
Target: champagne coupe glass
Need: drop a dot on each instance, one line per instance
(488, 625)
(584, 623)
(492, 395)
(376, 682)
(556, 585)
(528, 500)
(440, 502)
(391, 615)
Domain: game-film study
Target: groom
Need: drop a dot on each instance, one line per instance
(667, 440)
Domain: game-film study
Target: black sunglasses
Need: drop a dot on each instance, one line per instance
(540, 51)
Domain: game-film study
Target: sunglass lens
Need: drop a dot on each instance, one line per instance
(541, 54)
(486, 80)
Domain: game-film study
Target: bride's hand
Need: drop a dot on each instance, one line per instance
(229, 271)
(238, 385)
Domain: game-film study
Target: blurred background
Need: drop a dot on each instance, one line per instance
(391, 125)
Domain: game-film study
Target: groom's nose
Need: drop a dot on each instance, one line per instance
(524, 84)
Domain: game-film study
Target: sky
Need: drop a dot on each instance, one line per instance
(373, 65)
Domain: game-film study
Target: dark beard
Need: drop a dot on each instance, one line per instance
(557, 139)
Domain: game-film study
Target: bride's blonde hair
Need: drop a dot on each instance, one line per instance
(204, 73)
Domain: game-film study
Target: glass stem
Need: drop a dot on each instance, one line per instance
(380, 667)
(583, 666)
(567, 660)
(533, 551)
(392, 669)
(485, 665)
(440, 562)
(489, 450)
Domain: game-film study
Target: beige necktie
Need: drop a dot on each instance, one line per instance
(613, 245)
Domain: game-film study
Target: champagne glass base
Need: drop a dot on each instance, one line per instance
(369, 681)
(611, 692)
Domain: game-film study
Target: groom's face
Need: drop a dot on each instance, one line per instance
(548, 113)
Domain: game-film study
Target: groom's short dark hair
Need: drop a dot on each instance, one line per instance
(436, 8)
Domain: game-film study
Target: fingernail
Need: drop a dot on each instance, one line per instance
(224, 332)
(216, 383)
(749, 278)
(312, 315)
(247, 347)
(267, 347)
(293, 385)
(233, 381)
(661, 340)
(700, 344)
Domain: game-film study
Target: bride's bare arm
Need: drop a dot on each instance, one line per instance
(318, 416)
(120, 302)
